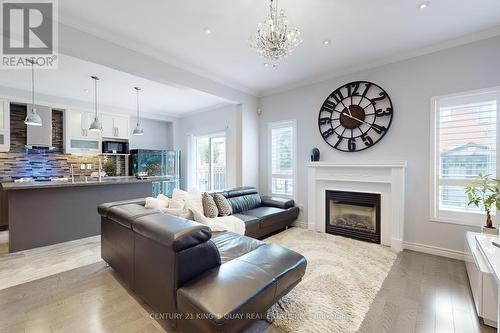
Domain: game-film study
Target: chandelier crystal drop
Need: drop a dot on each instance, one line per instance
(275, 39)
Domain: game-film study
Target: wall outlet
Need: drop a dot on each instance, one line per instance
(82, 166)
(89, 166)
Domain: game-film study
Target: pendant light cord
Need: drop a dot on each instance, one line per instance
(32, 85)
(137, 100)
(138, 120)
(95, 97)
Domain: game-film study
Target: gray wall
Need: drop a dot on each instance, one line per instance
(157, 134)
(411, 84)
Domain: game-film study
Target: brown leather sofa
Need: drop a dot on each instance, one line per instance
(196, 280)
(262, 214)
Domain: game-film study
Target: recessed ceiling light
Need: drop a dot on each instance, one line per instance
(266, 64)
(424, 5)
(207, 31)
(327, 42)
(85, 90)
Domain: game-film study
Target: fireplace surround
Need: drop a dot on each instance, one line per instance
(384, 177)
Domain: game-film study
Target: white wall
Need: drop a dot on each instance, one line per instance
(157, 134)
(209, 122)
(410, 84)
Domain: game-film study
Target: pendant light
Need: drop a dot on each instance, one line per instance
(138, 129)
(33, 118)
(96, 125)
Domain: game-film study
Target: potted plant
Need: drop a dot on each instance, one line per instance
(483, 192)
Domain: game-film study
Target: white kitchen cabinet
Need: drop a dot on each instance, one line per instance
(4, 125)
(115, 126)
(77, 136)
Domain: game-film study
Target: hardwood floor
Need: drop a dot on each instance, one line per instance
(424, 294)
(67, 288)
(25, 266)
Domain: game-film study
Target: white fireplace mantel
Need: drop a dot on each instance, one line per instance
(384, 177)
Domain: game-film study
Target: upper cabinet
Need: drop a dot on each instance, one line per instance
(78, 138)
(4, 125)
(115, 126)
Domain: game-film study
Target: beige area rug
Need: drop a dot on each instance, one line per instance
(342, 279)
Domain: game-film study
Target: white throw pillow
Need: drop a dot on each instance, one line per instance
(199, 216)
(192, 198)
(164, 198)
(154, 203)
(176, 204)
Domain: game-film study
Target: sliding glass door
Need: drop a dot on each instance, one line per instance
(211, 162)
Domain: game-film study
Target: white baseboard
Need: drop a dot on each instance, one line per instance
(437, 251)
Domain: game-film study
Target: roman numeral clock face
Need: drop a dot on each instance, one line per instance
(355, 116)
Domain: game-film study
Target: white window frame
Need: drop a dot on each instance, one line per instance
(210, 136)
(274, 125)
(455, 217)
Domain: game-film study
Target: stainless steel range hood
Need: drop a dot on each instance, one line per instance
(40, 137)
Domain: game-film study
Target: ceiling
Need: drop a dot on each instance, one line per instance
(72, 81)
(362, 32)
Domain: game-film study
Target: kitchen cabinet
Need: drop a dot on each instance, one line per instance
(78, 123)
(4, 125)
(115, 126)
(78, 138)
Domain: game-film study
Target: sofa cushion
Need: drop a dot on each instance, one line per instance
(103, 208)
(128, 213)
(174, 232)
(277, 202)
(239, 191)
(285, 265)
(252, 223)
(231, 245)
(244, 202)
(271, 215)
(220, 295)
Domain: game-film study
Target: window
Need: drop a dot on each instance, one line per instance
(282, 141)
(464, 140)
(211, 162)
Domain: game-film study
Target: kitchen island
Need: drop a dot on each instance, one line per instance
(46, 213)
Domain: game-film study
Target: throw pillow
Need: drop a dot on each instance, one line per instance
(154, 203)
(164, 198)
(209, 207)
(223, 205)
(192, 198)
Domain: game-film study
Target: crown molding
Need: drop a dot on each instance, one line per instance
(463, 40)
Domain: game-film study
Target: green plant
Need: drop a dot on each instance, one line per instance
(109, 167)
(484, 192)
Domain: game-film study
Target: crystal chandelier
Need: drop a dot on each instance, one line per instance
(274, 39)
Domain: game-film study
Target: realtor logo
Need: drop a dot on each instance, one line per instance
(29, 30)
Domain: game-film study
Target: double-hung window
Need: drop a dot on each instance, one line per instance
(282, 157)
(465, 136)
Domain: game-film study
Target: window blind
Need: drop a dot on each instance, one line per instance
(282, 158)
(466, 146)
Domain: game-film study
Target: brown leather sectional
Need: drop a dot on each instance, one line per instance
(197, 280)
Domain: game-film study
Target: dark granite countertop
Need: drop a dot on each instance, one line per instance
(7, 186)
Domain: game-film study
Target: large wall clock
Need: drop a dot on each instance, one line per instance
(355, 116)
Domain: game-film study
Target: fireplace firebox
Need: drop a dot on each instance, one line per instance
(353, 214)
